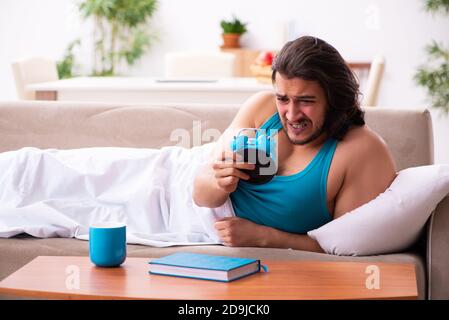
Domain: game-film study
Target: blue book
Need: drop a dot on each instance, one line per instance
(204, 266)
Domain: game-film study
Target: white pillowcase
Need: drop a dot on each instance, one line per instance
(392, 221)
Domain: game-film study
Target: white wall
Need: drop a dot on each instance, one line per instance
(359, 29)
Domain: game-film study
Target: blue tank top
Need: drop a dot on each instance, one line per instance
(295, 203)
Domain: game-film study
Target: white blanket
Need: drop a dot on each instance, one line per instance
(59, 193)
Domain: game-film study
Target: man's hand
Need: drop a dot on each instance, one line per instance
(239, 232)
(227, 171)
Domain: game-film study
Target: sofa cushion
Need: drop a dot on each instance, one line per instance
(22, 249)
(71, 125)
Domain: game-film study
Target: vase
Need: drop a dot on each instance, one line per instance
(231, 40)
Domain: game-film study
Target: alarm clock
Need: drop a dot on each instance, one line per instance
(259, 148)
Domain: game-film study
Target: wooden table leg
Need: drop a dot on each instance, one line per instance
(46, 95)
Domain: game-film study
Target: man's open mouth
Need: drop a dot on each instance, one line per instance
(298, 127)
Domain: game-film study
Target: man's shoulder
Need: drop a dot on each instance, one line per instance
(368, 168)
(361, 145)
(361, 139)
(259, 107)
(262, 98)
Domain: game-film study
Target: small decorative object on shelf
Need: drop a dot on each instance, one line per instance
(232, 31)
(261, 68)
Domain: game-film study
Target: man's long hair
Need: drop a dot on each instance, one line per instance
(310, 58)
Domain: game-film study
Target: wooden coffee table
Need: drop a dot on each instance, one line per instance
(77, 278)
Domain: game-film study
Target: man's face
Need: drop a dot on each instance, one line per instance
(302, 108)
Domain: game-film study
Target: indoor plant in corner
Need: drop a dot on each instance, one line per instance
(232, 31)
(434, 76)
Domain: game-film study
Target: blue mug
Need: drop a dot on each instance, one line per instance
(107, 244)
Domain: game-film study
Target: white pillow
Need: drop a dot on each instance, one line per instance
(392, 221)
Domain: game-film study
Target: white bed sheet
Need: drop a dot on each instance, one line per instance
(59, 193)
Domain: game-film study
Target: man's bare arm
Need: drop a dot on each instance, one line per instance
(215, 182)
(280, 239)
(370, 173)
(206, 193)
(239, 232)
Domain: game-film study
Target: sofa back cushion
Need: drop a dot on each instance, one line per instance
(407, 132)
(68, 125)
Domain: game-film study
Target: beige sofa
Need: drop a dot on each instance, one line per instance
(74, 125)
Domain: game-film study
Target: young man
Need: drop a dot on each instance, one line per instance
(329, 161)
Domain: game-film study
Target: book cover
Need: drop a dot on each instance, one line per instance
(204, 266)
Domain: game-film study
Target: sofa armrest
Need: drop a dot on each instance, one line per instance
(438, 252)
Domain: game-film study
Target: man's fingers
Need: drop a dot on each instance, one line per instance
(231, 172)
(229, 156)
(228, 184)
(238, 165)
(222, 224)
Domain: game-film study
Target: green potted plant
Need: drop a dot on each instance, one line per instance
(121, 31)
(434, 76)
(232, 31)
